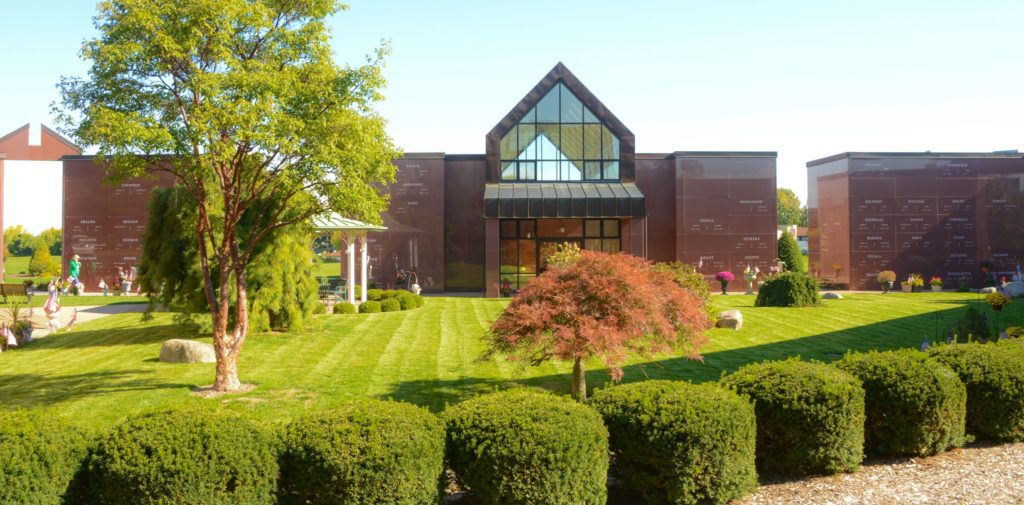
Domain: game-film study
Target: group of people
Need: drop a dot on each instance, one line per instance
(122, 284)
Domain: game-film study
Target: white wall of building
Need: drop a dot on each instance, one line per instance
(33, 194)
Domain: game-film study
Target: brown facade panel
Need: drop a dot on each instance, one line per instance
(464, 254)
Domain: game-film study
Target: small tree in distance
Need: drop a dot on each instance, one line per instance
(789, 253)
(602, 305)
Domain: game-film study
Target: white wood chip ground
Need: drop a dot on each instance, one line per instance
(975, 475)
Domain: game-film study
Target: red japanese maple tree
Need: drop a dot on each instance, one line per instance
(604, 305)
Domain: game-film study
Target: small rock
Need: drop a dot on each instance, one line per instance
(832, 296)
(730, 319)
(187, 351)
(1014, 289)
(987, 290)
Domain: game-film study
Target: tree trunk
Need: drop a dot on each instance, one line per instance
(227, 354)
(579, 381)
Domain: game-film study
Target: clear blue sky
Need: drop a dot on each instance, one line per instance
(806, 79)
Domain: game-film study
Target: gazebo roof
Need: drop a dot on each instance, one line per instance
(336, 222)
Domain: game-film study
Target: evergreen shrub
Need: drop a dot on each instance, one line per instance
(390, 305)
(39, 456)
(369, 307)
(374, 294)
(344, 308)
(788, 289)
(994, 376)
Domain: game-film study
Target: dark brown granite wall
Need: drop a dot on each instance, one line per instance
(464, 222)
(655, 176)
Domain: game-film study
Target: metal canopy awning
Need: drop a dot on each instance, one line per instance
(563, 199)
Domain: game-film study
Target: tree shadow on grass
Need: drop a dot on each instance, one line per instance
(33, 390)
(830, 346)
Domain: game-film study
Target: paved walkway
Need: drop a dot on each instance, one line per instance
(85, 313)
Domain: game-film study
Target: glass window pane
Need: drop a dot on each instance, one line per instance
(528, 170)
(589, 117)
(528, 256)
(611, 170)
(530, 117)
(508, 145)
(611, 145)
(592, 141)
(572, 170)
(611, 245)
(592, 244)
(548, 136)
(547, 109)
(547, 170)
(508, 252)
(572, 108)
(593, 228)
(572, 141)
(508, 170)
(592, 170)
(527, 142)
(527, 229)
(611, 228)
(558, 228)
(524, 280)
(508, 229)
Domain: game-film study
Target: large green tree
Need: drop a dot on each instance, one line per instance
(789, 210)
(242, 102)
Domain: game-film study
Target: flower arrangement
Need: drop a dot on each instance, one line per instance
(724, 277)
(985, 266)
(936, 281)
(997, 301)
(917, 280)
(886, 278)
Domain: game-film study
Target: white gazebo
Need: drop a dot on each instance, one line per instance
(352, 231)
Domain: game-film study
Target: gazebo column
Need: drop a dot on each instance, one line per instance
(362, 277)
(350, 251)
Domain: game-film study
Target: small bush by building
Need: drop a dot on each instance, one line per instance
(369, 307)
(374, 294)
(409, 301)
(810, 416)
(914, 406)
(526, 447)
(344, 308)
(994, 376)
(788, 289)
(390, 305)
(39, 456)
(364, 453)
(197, 456)
(680, 443)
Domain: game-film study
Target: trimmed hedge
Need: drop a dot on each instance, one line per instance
(680, 443)
(39, 456)
(344, 308)
(914, 406)
(409, 301)
(195, 456)
(390, 305)
(369, 307)
(375, 295)
(994, 376)
(810, 416)
(788, 289)
(526, 447)
(366, 452)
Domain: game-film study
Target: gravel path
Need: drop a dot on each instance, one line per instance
(974, 475)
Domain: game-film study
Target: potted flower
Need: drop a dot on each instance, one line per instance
(908, 285)
(985, 266)
(724, 277)
(936, 283)
(506, 287)
(997, 301)
(886, 279)
(916, 282)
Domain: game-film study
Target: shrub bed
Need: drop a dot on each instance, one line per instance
(810, 416)
(994, 376)
(676, 442)
(526, 447)
(369, 307)
(366, 452)
(375, 294)
(344, 308)
(195, 456)
(390, 305)
(39, 456)
(914, 406)
(788, 289)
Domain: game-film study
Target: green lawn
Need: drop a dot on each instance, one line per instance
(107, 369)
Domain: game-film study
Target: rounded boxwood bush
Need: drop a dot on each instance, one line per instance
(366, 452)
(994, 376)
(527, 447)
(374, 294)
(344, 308)
(788, 289)
(195, 456)
(369, 307)
(392, 293)
(810, 416)
(39, 456)
(914, 406)
(409, 300)
(677, 442)
(390, 305)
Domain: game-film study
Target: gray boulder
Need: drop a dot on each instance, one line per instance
(1014, 289)
(730, 319)
(187, 351)
(988, 290)
(832, 296)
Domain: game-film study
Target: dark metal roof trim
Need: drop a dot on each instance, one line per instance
(564, 200)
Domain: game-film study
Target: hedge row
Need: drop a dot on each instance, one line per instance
(381, 300)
